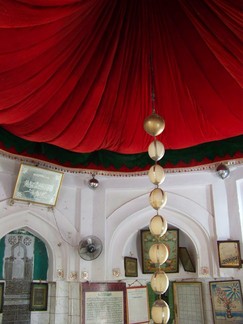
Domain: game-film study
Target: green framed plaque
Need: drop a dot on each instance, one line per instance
(38, 296)
(171, 240)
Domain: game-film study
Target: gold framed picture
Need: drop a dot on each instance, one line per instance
(37, 185)
(229, 254)
(131, 267)
(171, 240)
(38, 296)
(227, 303)
(188, 302)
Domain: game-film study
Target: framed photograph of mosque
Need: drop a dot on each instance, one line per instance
(38, 296)
(37, 185)
(1, 296)
(227, 304)
(171, 240)
(229, 254)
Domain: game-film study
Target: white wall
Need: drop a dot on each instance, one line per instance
(201, 205)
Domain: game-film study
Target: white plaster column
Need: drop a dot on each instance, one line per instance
(74, 303)
(98, 265)
(86, 224)
(234, 187)
(220, 202)
(52, 301)
(62, 302)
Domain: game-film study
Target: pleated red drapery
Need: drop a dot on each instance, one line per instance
(76, 74)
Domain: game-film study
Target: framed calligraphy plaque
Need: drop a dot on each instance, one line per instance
(229, 254)
(131, 267)
(138, 305)
(37, 185)
(103, 303)
(38, 296)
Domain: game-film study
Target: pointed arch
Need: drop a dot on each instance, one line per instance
(35, 223)
(180, 212)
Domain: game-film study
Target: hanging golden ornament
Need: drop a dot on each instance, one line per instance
(154, 124)
(159, 282)
(156, 174)
(158, 226)
(156, 150)
(157, 198)
(160, 312)
(158, 253)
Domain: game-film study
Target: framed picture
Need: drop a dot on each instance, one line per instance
(138, 305)
(1, 296)
(171, 240)
(37, 185)
(229, 254)
(104, 302)
(226, 297)
(38, 296)
(186, 260)
(131, 267)
(188, 302)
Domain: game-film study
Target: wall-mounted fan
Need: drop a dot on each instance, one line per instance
(90, 248)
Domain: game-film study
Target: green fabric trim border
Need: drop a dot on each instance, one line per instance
(206, 153)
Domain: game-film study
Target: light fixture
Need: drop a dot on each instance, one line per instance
(156, 150)
(93, 183)
(159, 282)
(154, 124)
(158, 252)
(158, 226)
(160, 312)
(223, 170)
(85, 275)
(156, 174)
(116, 272)
(157, 198)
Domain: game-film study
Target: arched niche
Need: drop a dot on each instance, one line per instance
(37, 225)
(195, 222)
(186, 242)
(23, 256)
(132, 248)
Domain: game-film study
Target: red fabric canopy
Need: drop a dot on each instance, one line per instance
(76, 73)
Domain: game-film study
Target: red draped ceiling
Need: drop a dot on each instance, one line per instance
(76, 73)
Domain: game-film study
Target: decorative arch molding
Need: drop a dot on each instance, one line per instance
(52, 216)
(179, 212)
(37, 225)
